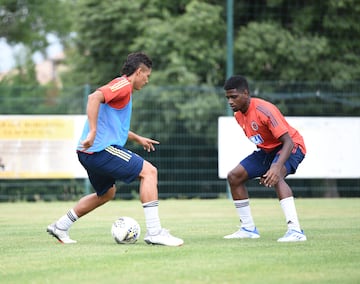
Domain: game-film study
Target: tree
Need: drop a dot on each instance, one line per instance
(191, 49)
(28, 22)
(319, 36)
(266, 51)
(180, 50)
(340, 23)
(105, 31)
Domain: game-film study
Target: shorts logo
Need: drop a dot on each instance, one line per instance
(254, 126)
(256, 139)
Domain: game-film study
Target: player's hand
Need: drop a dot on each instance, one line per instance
(89, 141)
(271, 177)
(262, 180)
(148, 144)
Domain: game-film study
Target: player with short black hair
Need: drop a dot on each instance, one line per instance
(280, 150)
(102, 153)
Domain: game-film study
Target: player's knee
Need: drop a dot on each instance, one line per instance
(149, 170)
(236, 177)
(233, 178)
(110, 194)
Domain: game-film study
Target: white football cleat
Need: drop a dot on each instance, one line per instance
(293, 236)
(163, 238)
(61, 235)
(244, 233)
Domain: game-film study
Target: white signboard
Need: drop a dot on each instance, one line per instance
(40, 146)
(332, 146)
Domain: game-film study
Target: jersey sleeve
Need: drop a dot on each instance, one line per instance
(270, 116)
(117, 93)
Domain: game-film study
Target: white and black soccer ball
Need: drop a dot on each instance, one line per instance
(125, 230)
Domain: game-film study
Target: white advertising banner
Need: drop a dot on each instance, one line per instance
(40, 146)
(332, 146)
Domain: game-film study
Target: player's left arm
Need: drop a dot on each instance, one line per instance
(147, 143)
(277, 169)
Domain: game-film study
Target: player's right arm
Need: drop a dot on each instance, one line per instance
(92, 110)
(147, 143)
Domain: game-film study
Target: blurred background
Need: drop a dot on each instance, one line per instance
(304, 56)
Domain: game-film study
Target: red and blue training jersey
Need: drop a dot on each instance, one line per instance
(263, 124)
(114, 116)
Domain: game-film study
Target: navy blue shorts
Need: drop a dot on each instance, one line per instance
(258, 163)
(107, 166)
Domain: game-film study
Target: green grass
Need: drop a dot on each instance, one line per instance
(331, 254)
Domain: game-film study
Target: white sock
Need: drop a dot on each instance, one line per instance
(151, 210)
(289, 209)
(66, 221)
(244, 212)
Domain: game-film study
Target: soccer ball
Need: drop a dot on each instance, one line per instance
(125, 230)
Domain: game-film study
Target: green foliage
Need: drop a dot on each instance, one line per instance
(19, 95)
(276, 40)
(105, 30)
(180, 50)
(28, 22)
(335, 20)
(21, 86)
(182, 111)
(266, 50)
(186, 52)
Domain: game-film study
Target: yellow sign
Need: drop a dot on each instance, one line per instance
(36, 128)
(40, 146)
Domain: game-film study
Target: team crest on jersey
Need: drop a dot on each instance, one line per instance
(254, 126)
(256, 139)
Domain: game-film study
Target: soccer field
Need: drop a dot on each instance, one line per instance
(331, 254)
